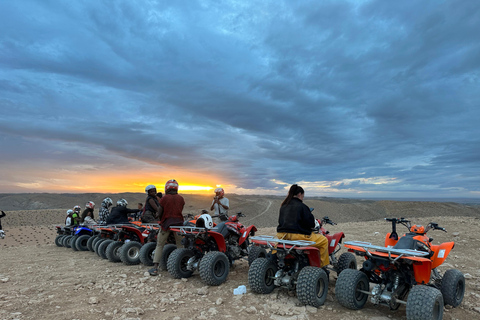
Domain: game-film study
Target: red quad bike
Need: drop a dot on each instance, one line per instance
(210, 249)
(346, 260)
(295, 265)
(403, 272)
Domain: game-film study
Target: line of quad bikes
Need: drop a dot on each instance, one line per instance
(402, 272)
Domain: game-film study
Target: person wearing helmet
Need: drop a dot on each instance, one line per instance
(151, 205)
(220, 205)
(76, 219)
(88, 220)
(2, 233)
(170, 214)
(69, 219)
(119, 214)
(296, 222)
(89, 207)
(104, 211)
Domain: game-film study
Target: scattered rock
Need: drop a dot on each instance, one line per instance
(203, 291)
(93, 300)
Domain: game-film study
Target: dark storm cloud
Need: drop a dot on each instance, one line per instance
(367, 96)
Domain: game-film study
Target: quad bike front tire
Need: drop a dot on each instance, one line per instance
(81, 242)
(102, 248)
(66, 241)
(214, 268)
(58, 240)
(346, 261)
(453, 287)
(167, 251)
(261, 275)
(147, 252)
(312, 286)
(424, 302)
(90, 243)
(113, 251)
(130, 253)
(255, 252)
(177, 263)
(347, 288)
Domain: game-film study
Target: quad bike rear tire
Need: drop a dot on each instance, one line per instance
(214, 268)
(130, 253)
(147, 252)
(424, 302)
(66, 241)
(90, 243)
(255, 252)
(96, 244)
(113, 251)
(102, 248)
(81, 242)
(58, 240)
(347, 286)
(312, 286)
(177, 263)
(453, 287)
(167, 251)
(261, 275)
(73, 243)
(346, 261)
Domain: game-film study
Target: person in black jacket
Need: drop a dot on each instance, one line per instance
(1, 229)
(296, 222)
(119, 214)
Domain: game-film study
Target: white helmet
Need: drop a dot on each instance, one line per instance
(317, 225)
(205, 221)
(149, 187)
(122, 203)
(69, 212)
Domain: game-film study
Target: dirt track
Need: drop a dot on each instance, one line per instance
(39, 280)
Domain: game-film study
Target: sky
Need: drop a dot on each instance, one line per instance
(369, 99)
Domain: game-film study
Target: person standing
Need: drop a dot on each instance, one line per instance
(169, 214)
(151, 205)
(104, 211)
(220, 206)
(296, 222)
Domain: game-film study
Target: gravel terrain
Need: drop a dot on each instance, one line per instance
(39, 280)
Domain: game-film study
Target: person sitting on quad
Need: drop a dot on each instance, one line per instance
(119, 214)
(76, 219)
(138, 215)
(296, 222)
(170, 214)
(104, 211)
(221, 205)
(69, 219)
(88, 220)
(1, 229)
(88, 208)
(151, 205)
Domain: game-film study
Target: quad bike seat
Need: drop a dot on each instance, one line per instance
(407, 242)
(221, 228)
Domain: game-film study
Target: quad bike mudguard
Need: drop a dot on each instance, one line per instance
(441, 253)
(246, 233)
(333, 241)
(218, 237)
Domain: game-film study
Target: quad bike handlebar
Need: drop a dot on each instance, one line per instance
(327, 220)
(407, 224)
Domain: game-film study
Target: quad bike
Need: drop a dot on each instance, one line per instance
(347, 259)
(80, 237)
(404, 271)
(293, 264)
(60, 234)
(210, 249)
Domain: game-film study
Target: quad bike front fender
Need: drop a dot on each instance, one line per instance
(441, 253)
(134, 230)
(219, 240)
(246, 233)
(333, 241)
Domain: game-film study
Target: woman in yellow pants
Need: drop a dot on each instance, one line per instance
(296, 222)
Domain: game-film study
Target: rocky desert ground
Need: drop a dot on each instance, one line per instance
(39, 280)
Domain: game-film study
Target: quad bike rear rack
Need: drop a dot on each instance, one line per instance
(390, 251)
(187, 229)
(273, 243)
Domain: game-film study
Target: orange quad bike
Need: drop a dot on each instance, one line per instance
(404, 271)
